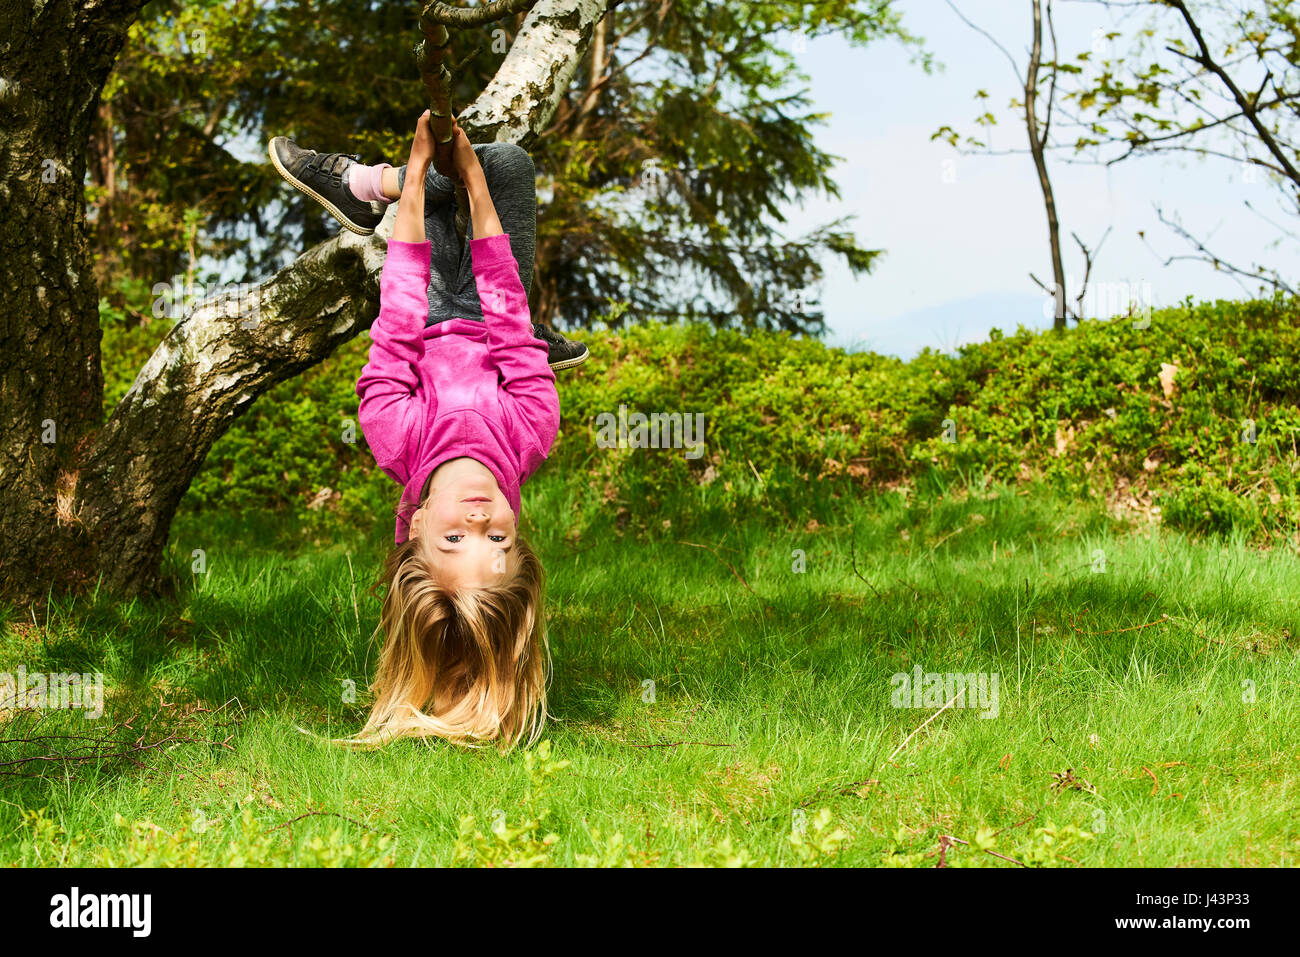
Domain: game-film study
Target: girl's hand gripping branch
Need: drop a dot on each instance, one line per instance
(409, 226)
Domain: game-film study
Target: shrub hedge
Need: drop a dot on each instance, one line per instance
(1194, 416)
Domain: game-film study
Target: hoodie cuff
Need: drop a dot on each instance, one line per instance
(409, 255)
(491, 250)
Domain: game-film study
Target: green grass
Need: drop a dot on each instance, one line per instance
(1147, 713)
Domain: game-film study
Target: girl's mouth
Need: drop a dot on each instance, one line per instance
(478, 498)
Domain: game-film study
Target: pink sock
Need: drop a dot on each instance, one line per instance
(367, 183)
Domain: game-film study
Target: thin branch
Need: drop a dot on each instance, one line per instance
(1137, 144)
(476, 16)
(289, 823)
(923, 724)
(947, 840)
(1278, 226)
(1275, 279)
(1119, 631)
(105, 748)
(1087, 270)
(678, 744)
(1051, 93)
(1015, 68)
(1246, 106)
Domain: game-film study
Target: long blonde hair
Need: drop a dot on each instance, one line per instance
(469, 664)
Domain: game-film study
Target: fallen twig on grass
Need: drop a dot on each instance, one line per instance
(947, 840)
(678, 744)
(104, 748)
(1155, 785)
(943, 538)
(854, 786)
(1066, 780)
(1120, 631)
(916, 591)
(853, 557)
(852, 789)
(923, 724)
(289, 823)
(1012, 827)
(731, 568)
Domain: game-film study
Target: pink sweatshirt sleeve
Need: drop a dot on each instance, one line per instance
(520, 357)
(392, 401)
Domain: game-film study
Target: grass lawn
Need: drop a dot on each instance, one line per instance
(1146, 711)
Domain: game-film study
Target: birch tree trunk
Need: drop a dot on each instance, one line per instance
(88, 501)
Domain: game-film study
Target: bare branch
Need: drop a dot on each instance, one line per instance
(1087, 270)
(1271, 277)
(1015, 67)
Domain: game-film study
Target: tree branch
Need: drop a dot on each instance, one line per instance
(1246, 106)
(1015, 67)
(536, 72)
(1088, 256)
(1260, 274)
(448, 15)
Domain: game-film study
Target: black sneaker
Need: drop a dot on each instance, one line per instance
(562, 353)
(324, 177)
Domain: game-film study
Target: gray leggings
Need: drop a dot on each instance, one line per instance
(511, 179)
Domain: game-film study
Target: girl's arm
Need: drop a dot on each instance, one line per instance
(392, 401)
(409, 227)
(520, 357)
(481, 208)
(529, 400)
(469, 173)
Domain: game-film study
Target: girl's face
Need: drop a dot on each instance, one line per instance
(467, 525)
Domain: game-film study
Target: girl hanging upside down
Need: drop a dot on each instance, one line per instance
(357, 196)
(458, 405)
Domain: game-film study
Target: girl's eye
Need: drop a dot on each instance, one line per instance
(497, 538)
(453, 538)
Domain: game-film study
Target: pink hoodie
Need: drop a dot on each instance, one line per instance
(459, 388)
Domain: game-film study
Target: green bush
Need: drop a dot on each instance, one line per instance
(792, 423)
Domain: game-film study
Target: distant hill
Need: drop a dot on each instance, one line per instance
(946, 326)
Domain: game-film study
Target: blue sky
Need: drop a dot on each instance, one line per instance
(961, 233)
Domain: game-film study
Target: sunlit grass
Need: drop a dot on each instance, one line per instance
(713, 696)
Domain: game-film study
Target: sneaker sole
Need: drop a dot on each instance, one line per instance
(570, 363)
(308, 191)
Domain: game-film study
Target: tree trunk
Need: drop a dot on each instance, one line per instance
(54, 59)
(94, 504)
(1040, 164)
